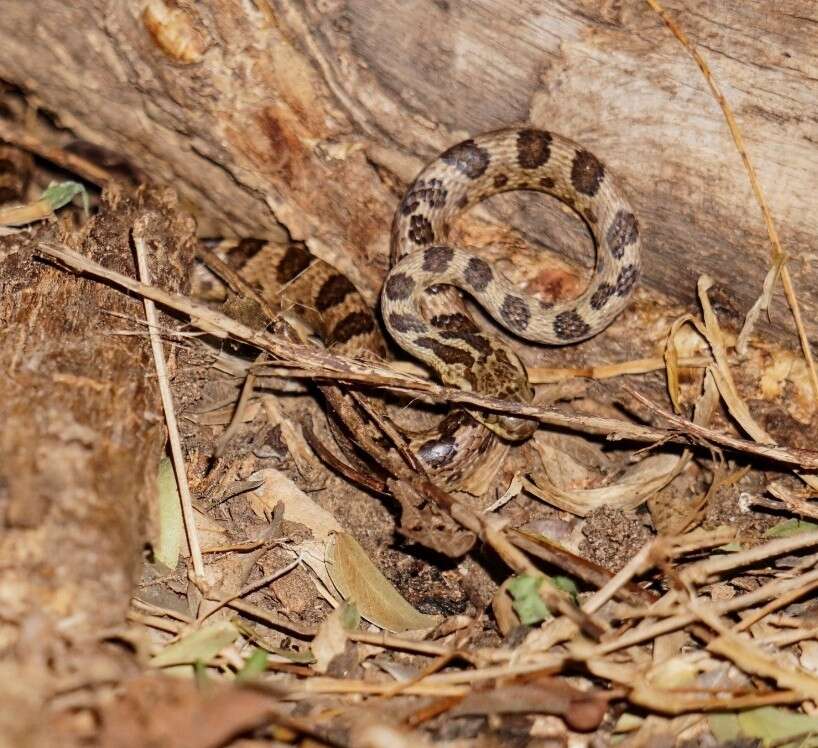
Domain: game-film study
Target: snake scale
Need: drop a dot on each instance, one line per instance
(428, 318)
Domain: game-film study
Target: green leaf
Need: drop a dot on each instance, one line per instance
(768, 724)
(566, 584)
(200, 675)
(350, 617)
(59, 194)
(253, 666)
(200, 645)
(528, 605)
(168, 545)
(730, 548)
(791, 527)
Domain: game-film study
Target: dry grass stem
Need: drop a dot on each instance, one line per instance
(170, 412)
(778, 256)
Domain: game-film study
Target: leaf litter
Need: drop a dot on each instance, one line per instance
(704, 632)
(707, 617)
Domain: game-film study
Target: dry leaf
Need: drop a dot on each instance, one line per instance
(359, 581)
(330, 641)
(201, 645)
(211, 533)
(762, 304)
(638, 483)
(298, 507)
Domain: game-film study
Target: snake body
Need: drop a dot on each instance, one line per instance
(429, 319)
(432, 324)
(315, 296)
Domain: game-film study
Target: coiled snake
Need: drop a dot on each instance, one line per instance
(428, 318)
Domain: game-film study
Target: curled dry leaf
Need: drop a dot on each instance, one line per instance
(723, 377)
(637, 483)
(358, 580)
(682, 340)
(569, 462)
(762, 304)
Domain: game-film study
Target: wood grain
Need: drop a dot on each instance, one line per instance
(310, 116)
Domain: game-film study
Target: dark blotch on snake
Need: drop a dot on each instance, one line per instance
(334, 290)
(533, 148)
(238, 257)
(626, 280)
(476, 340)
(409, 203)
(569, 325)
(601, 295)
(515, 312)
(406, 322)
(399, 286)
(449, 354)
(432, 192)
(354, 324)
(623, 231)
(436, 259)
(587, 173)
(456, 321)
(294, 262)
(547, 183)
(478, 274)
(469, 158)
(420, 230)
(500, 181)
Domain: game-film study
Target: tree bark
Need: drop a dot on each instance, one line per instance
(310, 116)
(80, 443)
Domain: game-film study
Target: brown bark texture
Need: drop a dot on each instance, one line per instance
(310, 117)
(81, 438)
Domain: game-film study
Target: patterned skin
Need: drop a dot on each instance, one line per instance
(429, 319)
(431, 322)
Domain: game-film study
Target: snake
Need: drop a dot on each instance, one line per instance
(422, 304)
(428, 321)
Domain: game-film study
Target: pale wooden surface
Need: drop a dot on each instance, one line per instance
(311, 116)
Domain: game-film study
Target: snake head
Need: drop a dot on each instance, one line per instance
(503, 375)
(511, 428)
